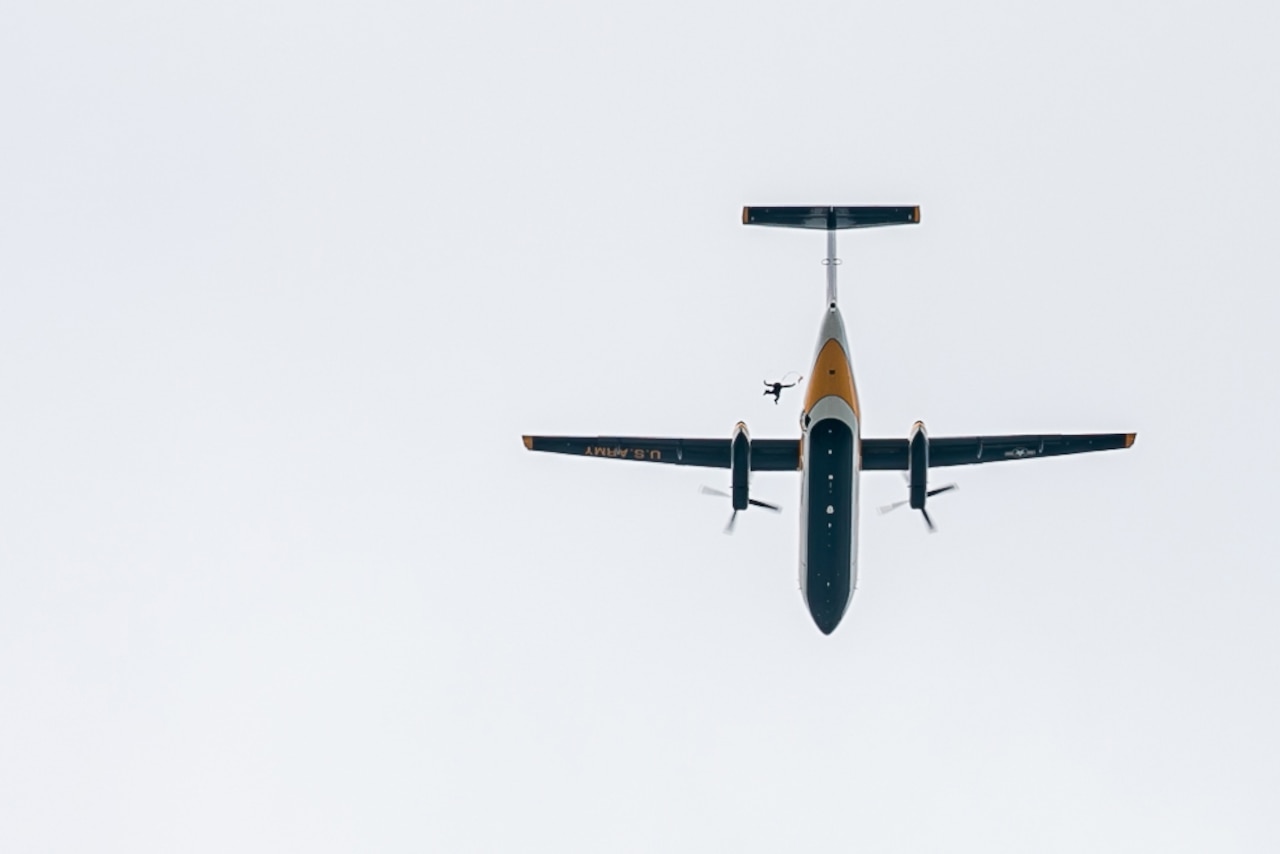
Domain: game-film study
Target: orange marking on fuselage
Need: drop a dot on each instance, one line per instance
(832, 375)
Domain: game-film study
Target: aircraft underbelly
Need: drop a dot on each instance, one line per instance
(830, 501)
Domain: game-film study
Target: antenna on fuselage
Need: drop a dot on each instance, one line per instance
(831, 219)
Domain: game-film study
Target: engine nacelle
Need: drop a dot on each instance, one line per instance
(918, 490)
(740, 472)
(740, 466)
(918, 466)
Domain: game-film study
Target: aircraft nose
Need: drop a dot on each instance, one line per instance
(826, 613)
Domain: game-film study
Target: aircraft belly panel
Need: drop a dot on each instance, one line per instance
(830, 502)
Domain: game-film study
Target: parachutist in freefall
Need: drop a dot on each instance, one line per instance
(775, 389)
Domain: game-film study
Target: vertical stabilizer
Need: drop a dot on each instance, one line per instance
(831, 262)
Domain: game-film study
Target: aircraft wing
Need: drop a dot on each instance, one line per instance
(766, 454)
(881, 454)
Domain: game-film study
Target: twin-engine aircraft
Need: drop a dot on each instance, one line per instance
(830, 452)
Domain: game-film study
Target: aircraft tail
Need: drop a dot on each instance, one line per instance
(831, 218)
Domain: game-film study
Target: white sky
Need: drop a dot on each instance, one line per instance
(282, 284)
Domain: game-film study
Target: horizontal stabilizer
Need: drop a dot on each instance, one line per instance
(830, 218)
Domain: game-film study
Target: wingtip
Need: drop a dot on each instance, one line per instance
(1129, 439)
(528, 442)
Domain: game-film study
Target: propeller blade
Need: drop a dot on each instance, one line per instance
(942, 489)
(928, 521)
(706, 490)
(894, 506)
(728, 529)
(774, 507)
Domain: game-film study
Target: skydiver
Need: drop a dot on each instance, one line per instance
(775, 389)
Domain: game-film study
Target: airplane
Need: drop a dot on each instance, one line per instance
(830, 452)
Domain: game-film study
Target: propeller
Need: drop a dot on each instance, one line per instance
(733, 519)
(933, 529)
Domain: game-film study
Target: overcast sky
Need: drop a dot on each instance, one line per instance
(281, 285)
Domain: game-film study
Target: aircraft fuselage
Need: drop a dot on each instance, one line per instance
(829, 489)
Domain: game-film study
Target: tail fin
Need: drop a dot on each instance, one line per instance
(830, 218)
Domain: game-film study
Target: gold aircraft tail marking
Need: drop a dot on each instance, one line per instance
(832, 376)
